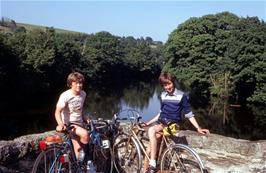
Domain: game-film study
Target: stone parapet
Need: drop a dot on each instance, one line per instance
(220, 154)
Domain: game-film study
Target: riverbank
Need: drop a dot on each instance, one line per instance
(220, 154)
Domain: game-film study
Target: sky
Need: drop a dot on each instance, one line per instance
(138, 18)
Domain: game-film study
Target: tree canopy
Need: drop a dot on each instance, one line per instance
(222, 54)
(42, 56)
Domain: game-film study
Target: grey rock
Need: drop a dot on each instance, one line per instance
(220, 154)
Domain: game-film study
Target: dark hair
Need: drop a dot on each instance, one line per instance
(74, 77)
(165, 77)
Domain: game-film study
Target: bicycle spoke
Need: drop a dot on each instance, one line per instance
(47, 161)
(180, 159)
(126, 155)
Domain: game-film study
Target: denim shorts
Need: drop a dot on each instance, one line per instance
(166, 121)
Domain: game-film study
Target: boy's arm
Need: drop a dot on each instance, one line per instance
(58, 119)
(196, 125)
(86, 118)
(153, 119)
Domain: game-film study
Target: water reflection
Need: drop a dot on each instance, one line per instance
(142, 97)
(238, 121)
(258, 127)
(246, 122)
(216, 114)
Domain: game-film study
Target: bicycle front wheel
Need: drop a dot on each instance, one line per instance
(126, 153)
(180, 158)
(48, 162)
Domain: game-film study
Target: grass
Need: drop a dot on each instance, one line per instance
(30, 27)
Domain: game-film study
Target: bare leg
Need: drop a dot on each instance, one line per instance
(76, 147)
(80, 138)
(153, 134)
(146, 160)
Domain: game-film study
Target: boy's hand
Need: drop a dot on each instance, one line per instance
(86, 118)
(88, 121)
(203, 131)
(60, 127)
(142, 124)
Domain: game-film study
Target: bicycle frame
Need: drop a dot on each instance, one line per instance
(65, 146)
(134, 134)
(58, 154)
(70, 146)
(94, 135)
(134, 130)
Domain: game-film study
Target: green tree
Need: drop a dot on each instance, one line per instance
(221, 54)
(101, 55)
(9, 65)
(39, 50)
(142, 55)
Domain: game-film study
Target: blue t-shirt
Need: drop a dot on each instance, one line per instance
(173, 105)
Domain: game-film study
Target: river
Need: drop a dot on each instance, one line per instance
(229, 120)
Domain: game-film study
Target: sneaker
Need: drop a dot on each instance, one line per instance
(151, 169)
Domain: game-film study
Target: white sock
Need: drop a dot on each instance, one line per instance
(152, 163)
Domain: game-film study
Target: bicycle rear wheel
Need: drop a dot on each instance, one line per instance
(180, 158)
(48, 161)
(127, 155)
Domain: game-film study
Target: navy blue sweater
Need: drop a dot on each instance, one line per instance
(173, 105)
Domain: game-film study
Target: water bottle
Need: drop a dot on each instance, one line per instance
(66, 158)
(90, 167)
(81, 155)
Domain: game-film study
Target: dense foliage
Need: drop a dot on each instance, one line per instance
(222, 55)
(41, 59)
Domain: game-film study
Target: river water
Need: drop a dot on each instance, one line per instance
(229, 120)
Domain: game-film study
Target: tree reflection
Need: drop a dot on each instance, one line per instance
(104, 103)
(258, 130)
(232, 120)
(245, 122)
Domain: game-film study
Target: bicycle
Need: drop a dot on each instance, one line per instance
(129, 149)
(100, 149)
(58, 156)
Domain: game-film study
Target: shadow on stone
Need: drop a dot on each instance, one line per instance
(180, 139)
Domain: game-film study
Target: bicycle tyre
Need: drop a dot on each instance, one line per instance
(180, 158)
(47, 161)
(127, 155)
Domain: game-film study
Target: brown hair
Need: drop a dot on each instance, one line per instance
(74, 77)
(165, 78)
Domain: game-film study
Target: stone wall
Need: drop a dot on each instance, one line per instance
(224, 154)
(220, 154)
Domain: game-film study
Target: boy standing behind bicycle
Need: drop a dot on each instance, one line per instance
(173, 103)
(69, 110)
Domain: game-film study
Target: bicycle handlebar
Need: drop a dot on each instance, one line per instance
(129, 115)
(67, 129)
(97, 124)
